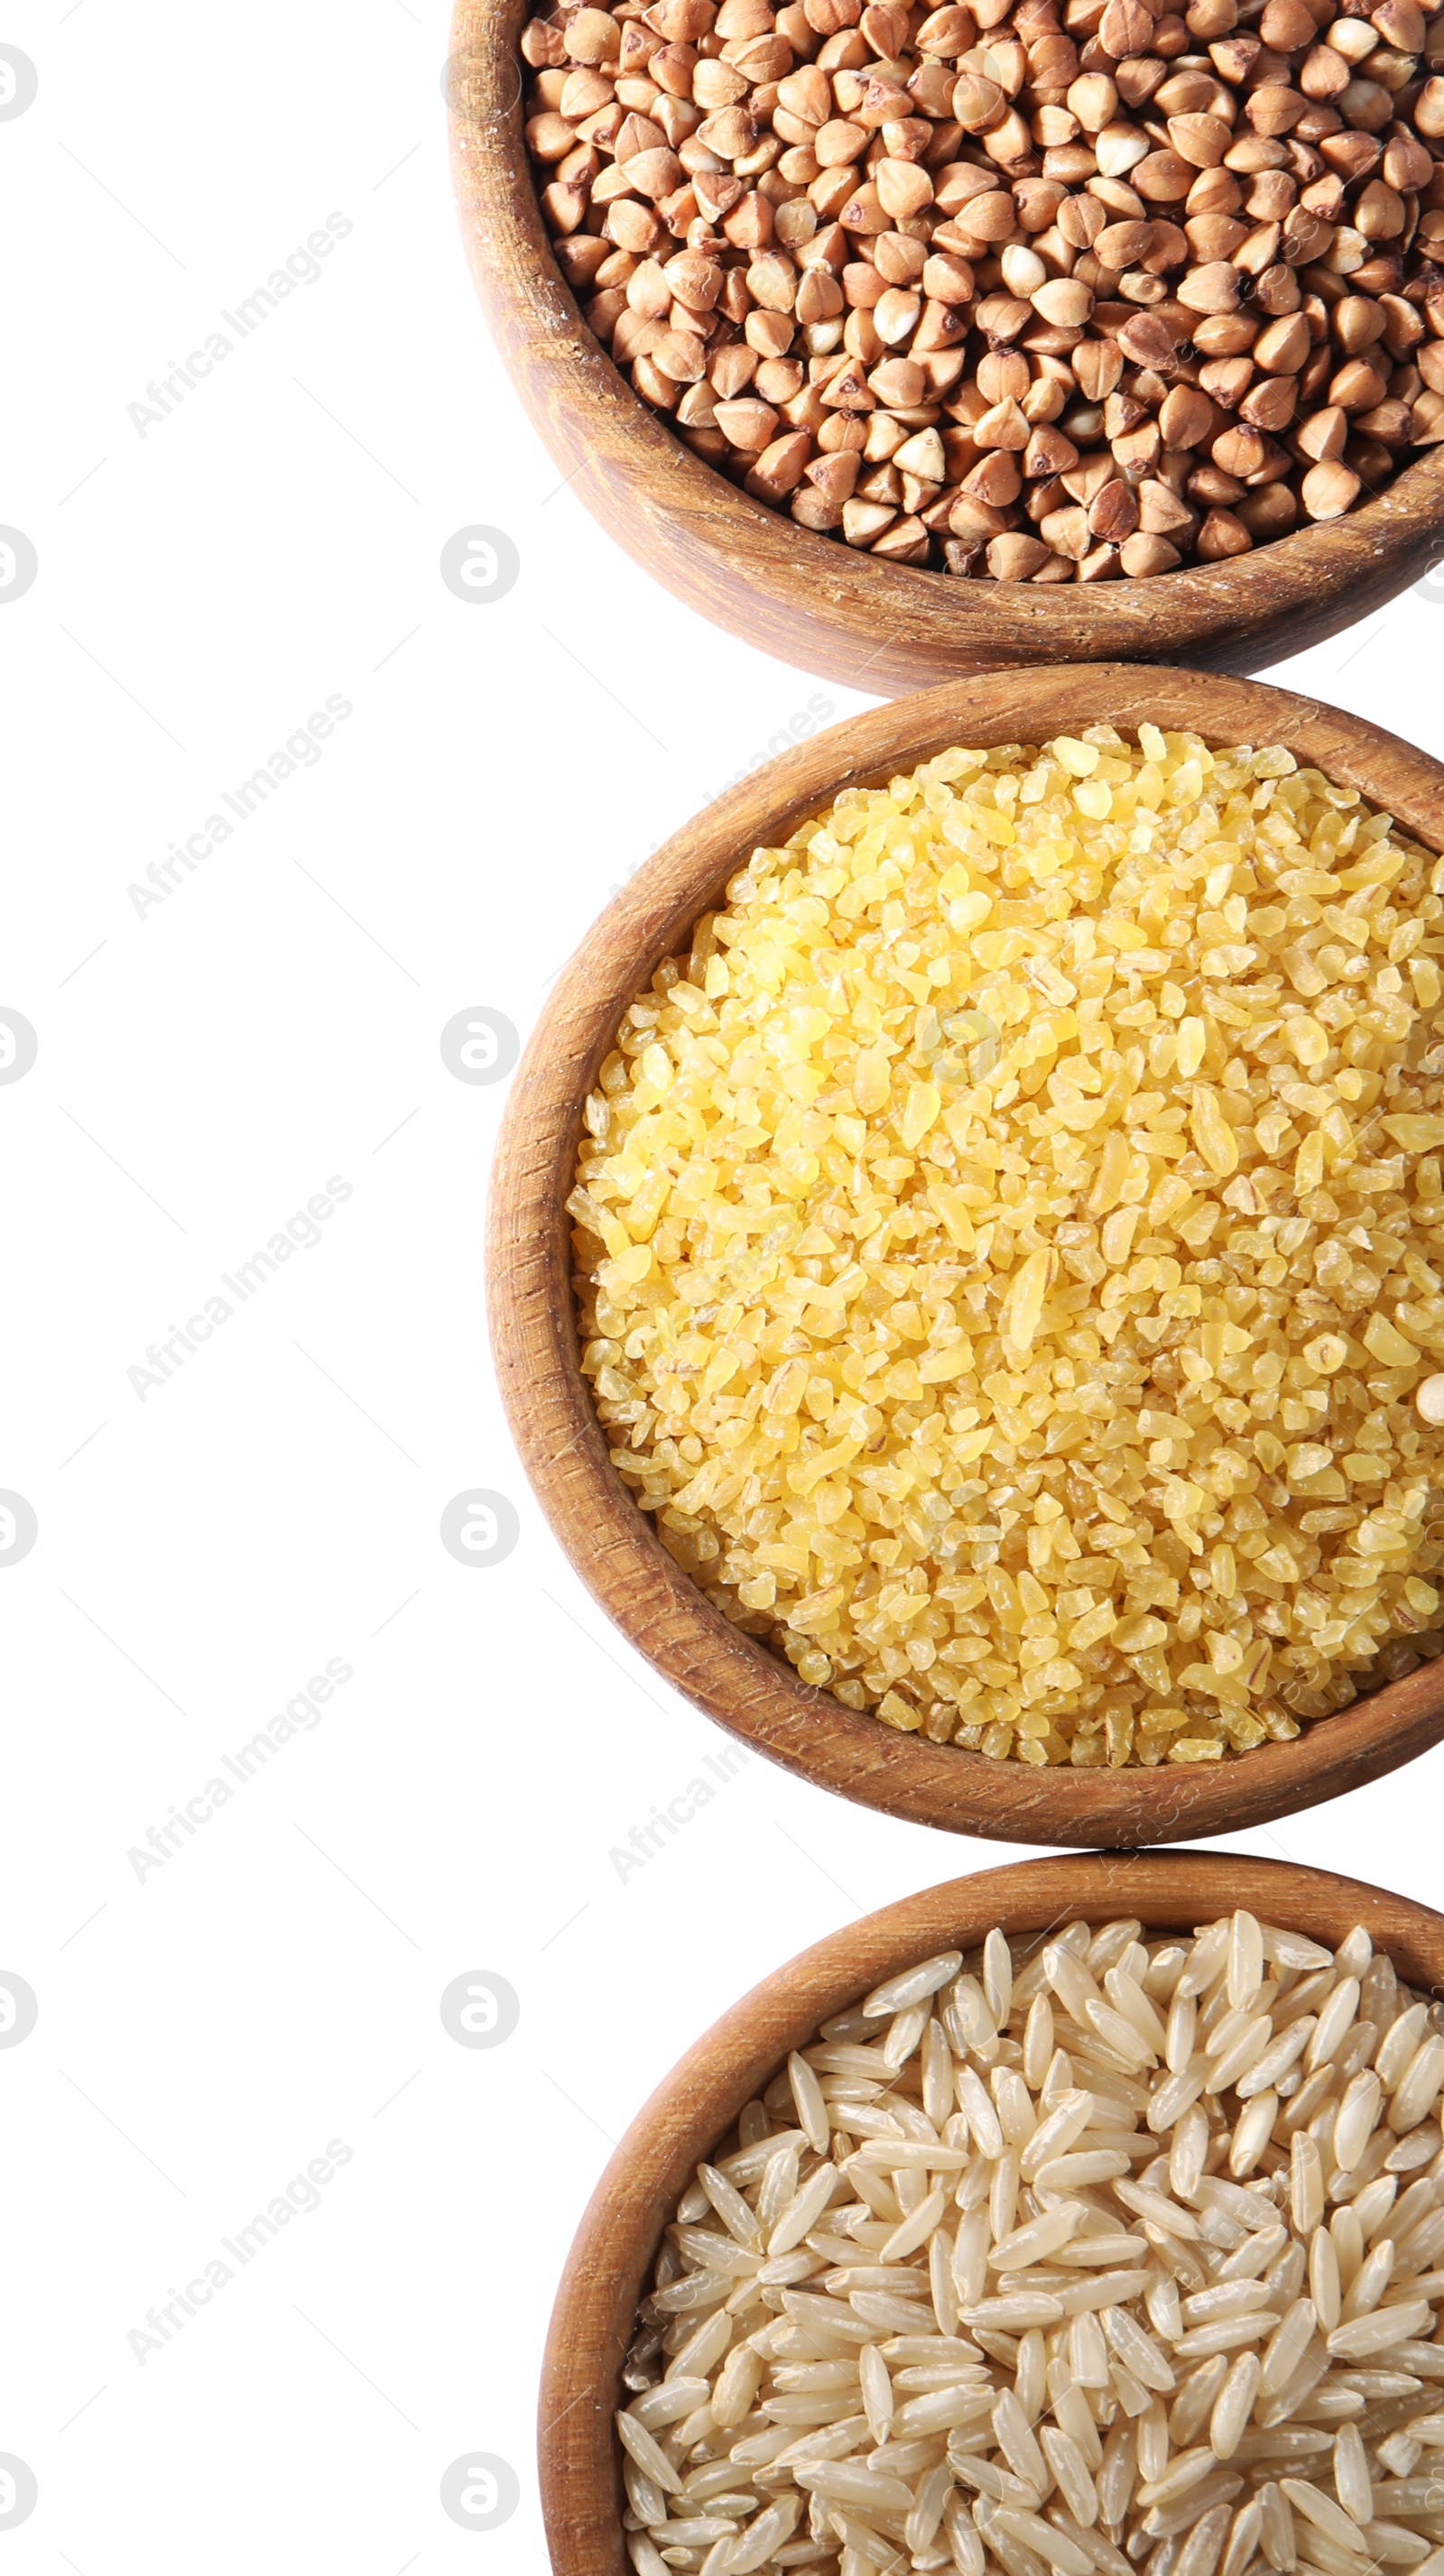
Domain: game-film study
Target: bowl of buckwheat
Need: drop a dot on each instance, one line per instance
(912, 341)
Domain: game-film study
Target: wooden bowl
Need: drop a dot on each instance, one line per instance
(810, 600)
(686, 2118)
(611, 1543)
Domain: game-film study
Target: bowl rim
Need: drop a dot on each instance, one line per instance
(699, 2100)
(733, 1678)
(806, 597)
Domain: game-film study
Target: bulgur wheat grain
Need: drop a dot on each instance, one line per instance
(1009, 1246)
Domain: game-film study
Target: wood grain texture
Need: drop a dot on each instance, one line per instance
(884, 628)
(613, 1545)
(692, 2112)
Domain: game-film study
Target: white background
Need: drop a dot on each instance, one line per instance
(203, 1069)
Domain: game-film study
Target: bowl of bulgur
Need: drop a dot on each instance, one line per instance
(1083, 2215)
(963, 1256)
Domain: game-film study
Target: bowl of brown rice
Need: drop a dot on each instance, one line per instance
(1081, 2215)
(963, 1257)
